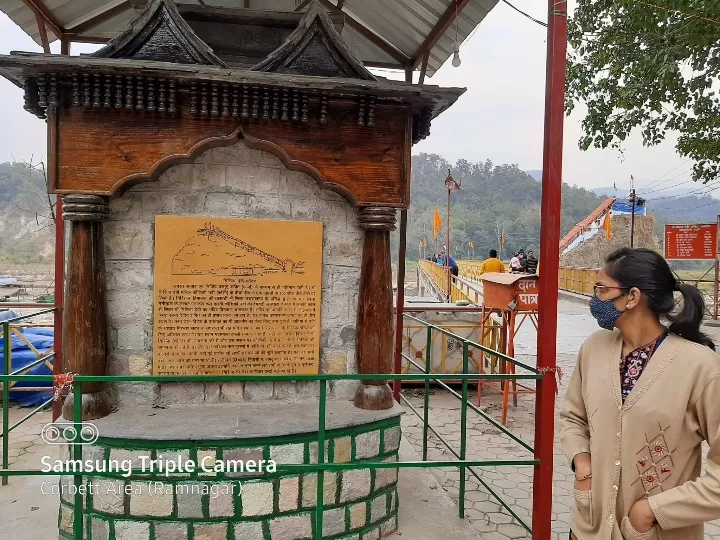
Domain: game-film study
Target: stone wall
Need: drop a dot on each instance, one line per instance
(227, 182)
(358, 503)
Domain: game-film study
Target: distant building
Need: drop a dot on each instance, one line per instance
(624, 206)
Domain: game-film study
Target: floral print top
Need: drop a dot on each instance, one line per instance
(632, 366)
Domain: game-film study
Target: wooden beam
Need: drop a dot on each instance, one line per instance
(43, 33)
(100, 18)
(408, 74)
(247, 4)
(65, 45)
(340, 4)
(87, 39)
(423, 68)
(368, 34)
(384, 65)
(444, 22)
(41, 10)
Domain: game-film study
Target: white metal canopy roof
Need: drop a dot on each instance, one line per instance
(393, 34)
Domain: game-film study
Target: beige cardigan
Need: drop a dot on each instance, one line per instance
(650, 446)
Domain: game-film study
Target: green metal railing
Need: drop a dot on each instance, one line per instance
(7, 347)
(464, 465)
(464, 405)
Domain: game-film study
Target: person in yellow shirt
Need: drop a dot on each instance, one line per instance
(492, 264)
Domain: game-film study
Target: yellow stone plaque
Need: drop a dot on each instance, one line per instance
(236, 296)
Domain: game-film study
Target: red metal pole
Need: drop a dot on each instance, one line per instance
(59, 273)
(550, 253)
(59, 289)
(400, 303)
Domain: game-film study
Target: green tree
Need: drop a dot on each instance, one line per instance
(492, 197)
(652, 66)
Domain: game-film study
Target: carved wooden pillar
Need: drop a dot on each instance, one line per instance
(374, 347)
(85, 341)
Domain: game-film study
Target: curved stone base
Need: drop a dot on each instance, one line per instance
(94, 406)
(229, 504)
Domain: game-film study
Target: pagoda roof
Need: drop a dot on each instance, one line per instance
(160, 33)
(315, 47)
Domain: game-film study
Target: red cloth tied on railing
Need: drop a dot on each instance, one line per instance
(62, 384)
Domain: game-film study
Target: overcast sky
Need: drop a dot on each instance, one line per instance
(500, 117)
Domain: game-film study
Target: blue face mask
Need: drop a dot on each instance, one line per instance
(605, 312)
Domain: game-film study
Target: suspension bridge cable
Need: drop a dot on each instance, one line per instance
(698, 191)
(654, 182)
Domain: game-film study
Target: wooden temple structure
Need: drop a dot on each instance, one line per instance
(159, 95)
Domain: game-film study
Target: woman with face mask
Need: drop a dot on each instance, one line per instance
(642, 399)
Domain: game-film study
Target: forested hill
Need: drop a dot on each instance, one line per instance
(27, 234)
(492, 198)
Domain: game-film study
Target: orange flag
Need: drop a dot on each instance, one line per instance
(437, 223)
(608, 226)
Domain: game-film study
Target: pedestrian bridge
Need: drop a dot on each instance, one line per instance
(436, 281)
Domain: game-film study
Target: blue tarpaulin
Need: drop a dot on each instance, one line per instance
(21, 356)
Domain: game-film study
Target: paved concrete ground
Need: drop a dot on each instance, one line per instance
(25, 512)
(485, 442)
(426, 510)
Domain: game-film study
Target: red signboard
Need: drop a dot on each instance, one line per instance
(691, 242)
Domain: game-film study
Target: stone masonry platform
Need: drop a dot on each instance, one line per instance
(235, 421)
(213, 497)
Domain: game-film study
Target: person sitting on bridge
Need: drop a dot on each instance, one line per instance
(450, 262)
(515, 263)
(492, 264)
(523, 261)
(531, 263)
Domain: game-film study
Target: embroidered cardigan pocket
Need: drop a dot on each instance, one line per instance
(584, 506)
(629, 533)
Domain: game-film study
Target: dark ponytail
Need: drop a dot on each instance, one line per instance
(648, 271)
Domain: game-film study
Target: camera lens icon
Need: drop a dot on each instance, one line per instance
(66, 432)
(51, 434)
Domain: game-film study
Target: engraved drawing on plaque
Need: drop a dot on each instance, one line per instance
(236, 296)
(213, 251)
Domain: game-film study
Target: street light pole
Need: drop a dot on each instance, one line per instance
(446, 260)
(452, 187)
(632, 218)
